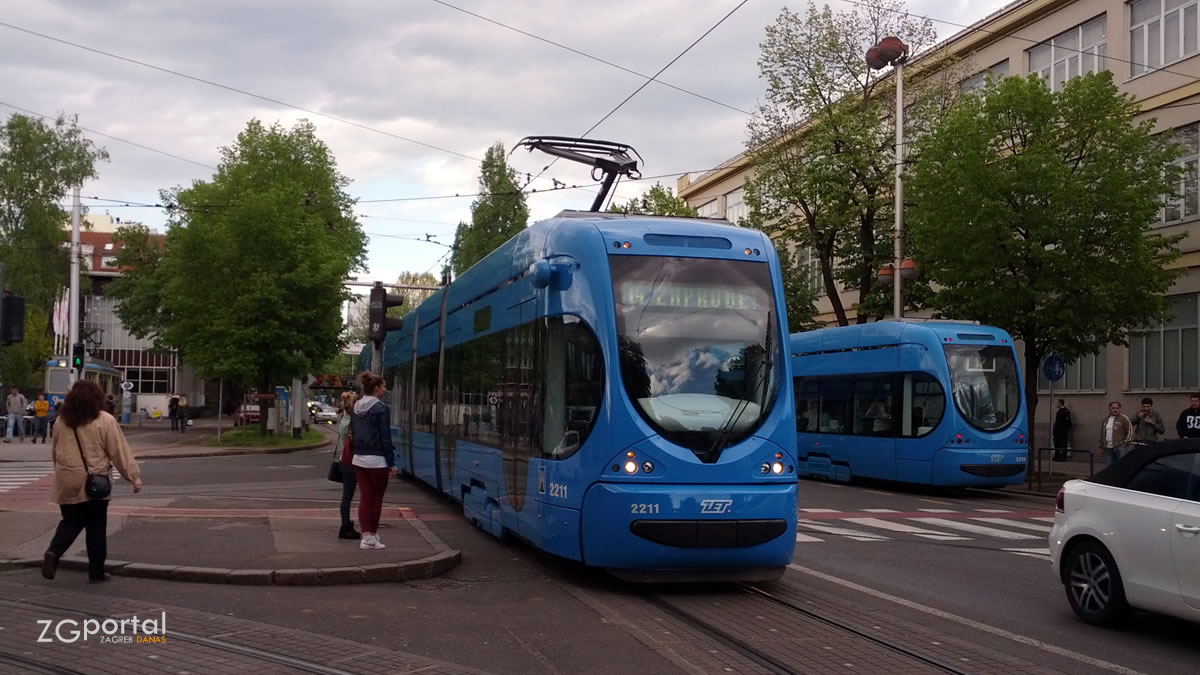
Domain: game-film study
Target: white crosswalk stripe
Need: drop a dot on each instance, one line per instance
(947, 525)
(18, 476)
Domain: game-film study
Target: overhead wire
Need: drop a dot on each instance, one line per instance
(588, 56)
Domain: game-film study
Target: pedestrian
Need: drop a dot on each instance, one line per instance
(1116, 432)
(1188, 424)
(374, 456)
(1061, 434)
(1147, 423)
(15, 404)
(344, 450)
(181, 413)
(92, 445)
(41, 416)
(173, 411)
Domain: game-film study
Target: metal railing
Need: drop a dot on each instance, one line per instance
(1050, 463)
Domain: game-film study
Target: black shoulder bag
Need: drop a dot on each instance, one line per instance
(98, 485)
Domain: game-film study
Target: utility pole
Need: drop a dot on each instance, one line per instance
(73, 309)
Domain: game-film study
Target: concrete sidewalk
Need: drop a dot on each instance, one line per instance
(155, 440)
(280, 545)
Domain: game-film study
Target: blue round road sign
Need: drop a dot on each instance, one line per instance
(1054, 368)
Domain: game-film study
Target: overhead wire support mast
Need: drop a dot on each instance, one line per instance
(611, 159)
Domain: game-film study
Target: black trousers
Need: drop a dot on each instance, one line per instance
(349, 483)
(92, 516)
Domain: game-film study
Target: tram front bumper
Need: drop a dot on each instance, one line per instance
(689, 526)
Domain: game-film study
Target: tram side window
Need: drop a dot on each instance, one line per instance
(928, 404)
(908, 405)
(837, 406)
(808, 403)
(426, 383)
(573, 385)
(873, 405)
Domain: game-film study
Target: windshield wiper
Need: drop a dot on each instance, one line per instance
(763, 367)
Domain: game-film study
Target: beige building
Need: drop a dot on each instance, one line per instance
(1152, 48)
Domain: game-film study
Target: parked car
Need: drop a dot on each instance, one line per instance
(245, 413)
(323, 413)
(1129, 537)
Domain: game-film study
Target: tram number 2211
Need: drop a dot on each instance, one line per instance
(643, 508)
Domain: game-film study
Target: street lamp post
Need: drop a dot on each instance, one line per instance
(891, 51)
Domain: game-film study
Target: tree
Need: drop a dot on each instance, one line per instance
(822, 142)
(1032, 212)
(657, 201)
(499, 213)
(798, 293)
(248, 282)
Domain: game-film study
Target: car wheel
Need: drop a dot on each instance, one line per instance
(1094, 586)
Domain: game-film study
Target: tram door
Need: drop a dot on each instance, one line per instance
(517, 395)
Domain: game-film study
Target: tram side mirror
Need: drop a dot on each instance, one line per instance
(542, 272)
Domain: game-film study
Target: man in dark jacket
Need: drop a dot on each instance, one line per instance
(1147, 423)
(1062, 431)
(1188, 425)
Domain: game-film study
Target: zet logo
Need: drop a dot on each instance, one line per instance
(996, 459)
(715, 505)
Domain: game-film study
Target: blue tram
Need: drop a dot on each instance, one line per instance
(926, 402)
(612, 389)
(58, 376)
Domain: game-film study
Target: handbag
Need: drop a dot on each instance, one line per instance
(335, 469)
(98, 485)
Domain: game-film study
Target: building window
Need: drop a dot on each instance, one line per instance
(976, 81)
(108, 261)
(735, 206)
(1187, 205)
(1161, 32)
(1086, 374)
(708, 210)
(1075, 52)
(108, 246)
(810, 265)
(1165, 357)
(150, 380)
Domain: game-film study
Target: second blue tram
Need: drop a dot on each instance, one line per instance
(932, 403)
(612, 389)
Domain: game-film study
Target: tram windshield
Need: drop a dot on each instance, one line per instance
(699, 346)
(987, 390)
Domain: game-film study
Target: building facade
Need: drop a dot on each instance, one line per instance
(1152, 48)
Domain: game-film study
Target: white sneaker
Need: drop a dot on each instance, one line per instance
(371, 542)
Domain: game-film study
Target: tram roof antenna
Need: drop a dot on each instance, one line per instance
(609, 158)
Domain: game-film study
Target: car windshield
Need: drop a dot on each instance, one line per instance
(699, 346)
(987, 390)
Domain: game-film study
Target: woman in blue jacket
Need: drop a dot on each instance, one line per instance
(374, 456)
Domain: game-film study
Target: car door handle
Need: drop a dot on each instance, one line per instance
(1187, 529)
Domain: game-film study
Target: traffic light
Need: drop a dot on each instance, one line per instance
(12, 319)
(380, 323)
(77, 356)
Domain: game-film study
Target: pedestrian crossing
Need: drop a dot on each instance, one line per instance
(1020, 530)
(19, 475)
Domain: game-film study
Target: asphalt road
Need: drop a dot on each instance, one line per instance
(971, 572)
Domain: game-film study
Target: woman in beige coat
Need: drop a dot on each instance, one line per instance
(83, 422)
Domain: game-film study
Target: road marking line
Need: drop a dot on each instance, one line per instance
(880, 492)
(1016, 523)
(1039, 553)
(825, 484)
(880, 511)
(908, 529)
(975, 529)
(857, 535)
(805, 539)
(994, 510)
(937, 510)
(820, 510)
(934, 501)
(1000, 632)
(1044, 519)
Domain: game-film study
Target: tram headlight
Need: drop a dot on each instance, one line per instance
(777, 468)
(631, 466)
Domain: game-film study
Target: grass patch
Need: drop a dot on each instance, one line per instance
(250, 438)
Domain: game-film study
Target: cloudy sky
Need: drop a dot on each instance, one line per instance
(397, 69)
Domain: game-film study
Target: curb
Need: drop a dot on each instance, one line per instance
(409, 570)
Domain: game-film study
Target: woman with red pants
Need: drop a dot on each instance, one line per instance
(374, 459)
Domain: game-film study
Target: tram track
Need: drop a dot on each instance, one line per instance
(755, 649)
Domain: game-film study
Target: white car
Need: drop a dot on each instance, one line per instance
(1129, 537)
(324, 414)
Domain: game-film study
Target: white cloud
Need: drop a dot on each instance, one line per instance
(415, 69)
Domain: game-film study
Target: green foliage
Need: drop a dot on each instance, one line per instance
(657, 201)
(246, 437)
(497, 215)
(822, 142)
(39, 164)
(248, 282)
(1033, 210)
(798, 292)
